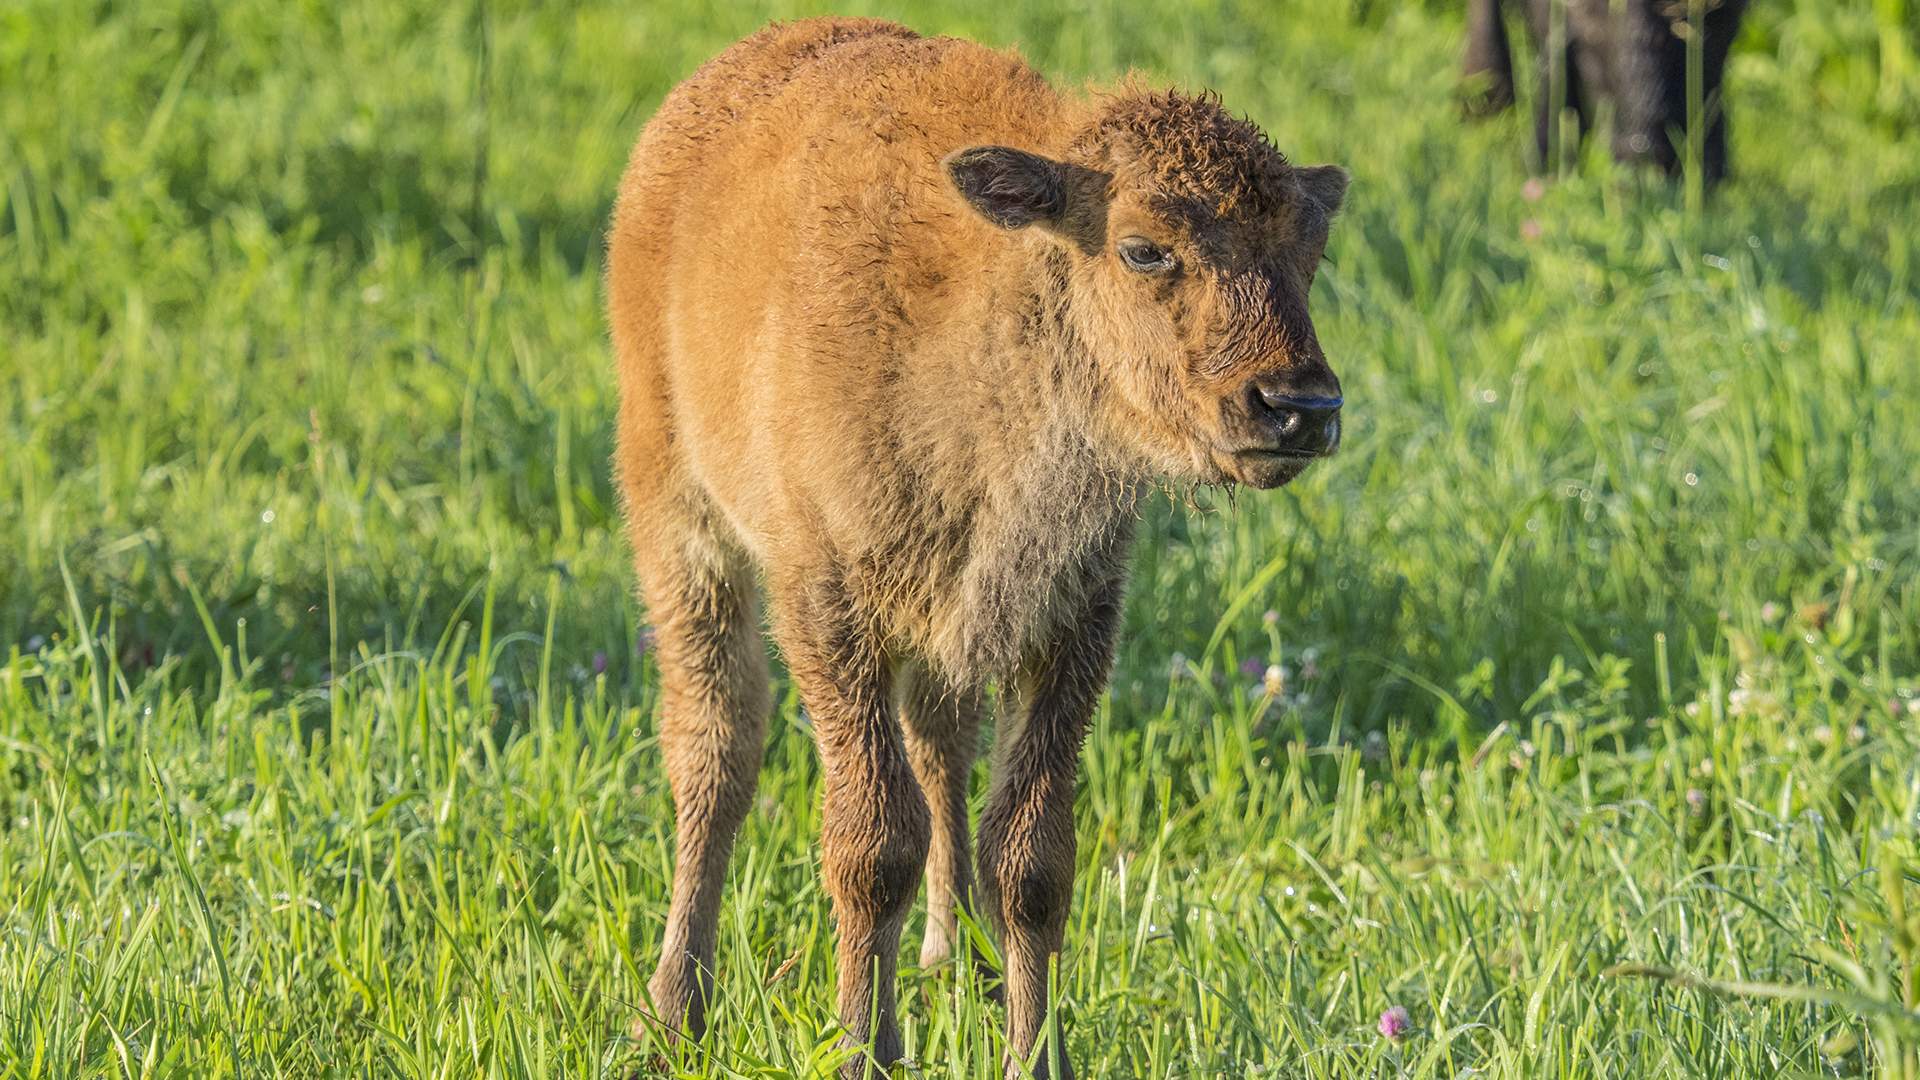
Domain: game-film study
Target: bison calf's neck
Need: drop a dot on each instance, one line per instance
(903, 334)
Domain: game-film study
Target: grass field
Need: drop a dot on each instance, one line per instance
(326, 715)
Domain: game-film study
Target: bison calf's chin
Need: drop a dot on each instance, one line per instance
(903, 334)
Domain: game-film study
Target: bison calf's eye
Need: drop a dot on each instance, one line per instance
(1144, 256)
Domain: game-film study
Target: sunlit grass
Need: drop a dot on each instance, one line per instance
(326, 734)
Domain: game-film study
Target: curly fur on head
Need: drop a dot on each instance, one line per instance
(1193, 149)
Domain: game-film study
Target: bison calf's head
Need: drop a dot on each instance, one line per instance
(1180, 249)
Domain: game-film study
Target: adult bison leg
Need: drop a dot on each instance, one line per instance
(1489, 65)
(1723, 25)
(713, 725)
(942, 726)
(874, 829)
(1026, 834)
(1560, 85)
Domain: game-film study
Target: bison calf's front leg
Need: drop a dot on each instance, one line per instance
(1026, 876)
(875, 825)
(1026, 833)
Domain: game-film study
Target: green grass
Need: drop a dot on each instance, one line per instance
(326, 729)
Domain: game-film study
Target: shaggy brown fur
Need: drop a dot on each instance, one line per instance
(917, 378)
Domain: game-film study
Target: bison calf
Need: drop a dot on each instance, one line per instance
(903, 333)
(1638, 53)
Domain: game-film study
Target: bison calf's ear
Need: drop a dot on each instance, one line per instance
(1011, 188)
(1326, 185)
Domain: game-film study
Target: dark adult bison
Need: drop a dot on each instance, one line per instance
(1635, 52)
(903, 333)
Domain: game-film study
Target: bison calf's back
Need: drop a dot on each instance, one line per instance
(903, 334)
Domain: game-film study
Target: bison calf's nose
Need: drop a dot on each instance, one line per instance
(1308, 425)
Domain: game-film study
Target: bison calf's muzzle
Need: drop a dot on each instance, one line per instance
(1302, 425)
(904, 335)
(1285, 425)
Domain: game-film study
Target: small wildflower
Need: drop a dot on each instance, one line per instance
(36, 643)
(1251, 667)
(1770, 612)
(1913, 706)
(1179, 666)
(643, 643)
(1696, 801)
(1823, 735)
(599, 662)
(1395, 1023)
(1275, 679)
(1534, 189)
(1271, 618)
(1530, 229)
(1746, 701)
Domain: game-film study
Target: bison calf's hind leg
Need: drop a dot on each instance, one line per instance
(875, 825)
(942, 727)
(713, 724)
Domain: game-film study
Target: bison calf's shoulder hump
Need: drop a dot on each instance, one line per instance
(902, 334)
